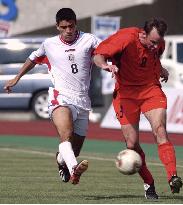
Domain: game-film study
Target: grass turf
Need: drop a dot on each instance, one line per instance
(29, 175)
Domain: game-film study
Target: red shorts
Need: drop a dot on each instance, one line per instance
(130, 101)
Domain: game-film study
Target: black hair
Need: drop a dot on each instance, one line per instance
(157, 23)
(65, 14)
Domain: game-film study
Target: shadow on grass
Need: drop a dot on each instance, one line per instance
(161, 198)
(176, 197)
(114, 197)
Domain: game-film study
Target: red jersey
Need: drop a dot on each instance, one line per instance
(137, 65)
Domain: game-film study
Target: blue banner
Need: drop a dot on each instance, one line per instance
(12, 10)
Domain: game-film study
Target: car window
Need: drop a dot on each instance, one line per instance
(9, 70)
(14, 69)
(180, 52)
(8, 56)
(169, 51)
(14, 52)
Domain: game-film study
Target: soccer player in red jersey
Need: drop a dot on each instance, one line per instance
(135, 54)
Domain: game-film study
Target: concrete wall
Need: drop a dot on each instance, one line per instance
(39, 14)
(37, 17)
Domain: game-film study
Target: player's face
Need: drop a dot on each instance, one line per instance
(152, 39)
(67, 30)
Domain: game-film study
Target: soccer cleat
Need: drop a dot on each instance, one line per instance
(63, 171)
(150, 192)
(78, 170)
(175, 184)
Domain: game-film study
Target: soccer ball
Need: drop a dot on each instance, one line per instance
(128, 162)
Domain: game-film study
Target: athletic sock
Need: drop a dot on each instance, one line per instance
(144, 172)
(60, 159)
(66, 151)
(167, 156)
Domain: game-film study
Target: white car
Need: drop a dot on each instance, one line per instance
(172, 60)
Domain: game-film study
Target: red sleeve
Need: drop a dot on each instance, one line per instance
(43, 60)
(115, 43)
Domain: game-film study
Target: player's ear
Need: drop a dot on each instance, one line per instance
(142, 36)
(57, 26)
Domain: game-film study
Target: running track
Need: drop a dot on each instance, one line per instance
(45, 128)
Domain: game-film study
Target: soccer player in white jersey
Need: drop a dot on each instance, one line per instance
(69, 59)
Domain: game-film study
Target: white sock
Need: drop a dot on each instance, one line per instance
(60, 159)
(66, 151)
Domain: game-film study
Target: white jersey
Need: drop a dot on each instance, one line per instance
(70, 65)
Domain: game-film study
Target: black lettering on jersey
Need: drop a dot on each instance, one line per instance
(120, 113)
(74, 68)
(70, 50)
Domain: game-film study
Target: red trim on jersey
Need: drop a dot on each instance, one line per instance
(43, 60)
(55, 94)
(72, 42)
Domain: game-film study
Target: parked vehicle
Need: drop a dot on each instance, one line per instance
(31, 93)
(172, 59)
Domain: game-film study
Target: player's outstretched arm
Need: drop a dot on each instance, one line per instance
(101, 62)
(28, 65)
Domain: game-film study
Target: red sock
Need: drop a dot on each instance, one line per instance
(144, 172)
(167, 156)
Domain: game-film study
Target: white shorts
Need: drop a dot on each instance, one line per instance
(80, 115)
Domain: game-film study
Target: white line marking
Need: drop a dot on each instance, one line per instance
(83, 156)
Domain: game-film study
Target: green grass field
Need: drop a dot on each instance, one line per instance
(29, 174)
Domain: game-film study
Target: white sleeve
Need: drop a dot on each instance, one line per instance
(38, 53)
(96, 41)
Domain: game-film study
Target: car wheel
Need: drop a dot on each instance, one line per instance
(40, 105)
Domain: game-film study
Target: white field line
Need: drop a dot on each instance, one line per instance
(88, 157)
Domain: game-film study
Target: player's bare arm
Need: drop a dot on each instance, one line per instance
(28, 65)
(164, 74)
(100, 61)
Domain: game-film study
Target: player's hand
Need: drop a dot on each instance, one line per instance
(164, 75)
(9, 84)
(111, 68)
